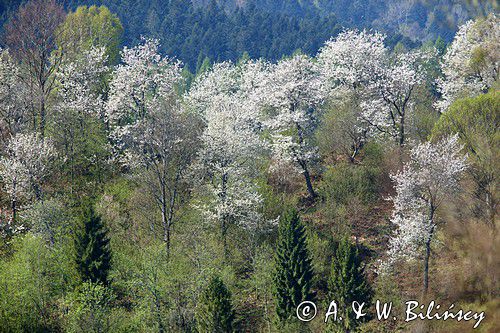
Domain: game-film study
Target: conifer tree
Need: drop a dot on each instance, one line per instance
(346, 285)
(93, 253)
(293, 266)
(215, 313)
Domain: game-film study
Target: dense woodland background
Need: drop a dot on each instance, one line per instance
(168, 166)
(224, 29)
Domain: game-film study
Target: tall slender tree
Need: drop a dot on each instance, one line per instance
(431, 175)
(150, 130)
(31, 37)
(293, 277)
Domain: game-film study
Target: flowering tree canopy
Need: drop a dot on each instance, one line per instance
(431, 175)
(471, 63)
(293, 90)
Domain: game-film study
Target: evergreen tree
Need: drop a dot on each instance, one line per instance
(293, 266)
(93, 253)
(215, 313)
(346, 285)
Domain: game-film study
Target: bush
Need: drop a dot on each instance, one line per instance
(90, 308)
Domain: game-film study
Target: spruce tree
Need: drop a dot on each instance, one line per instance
(215, 313)
(347, 284)
(294, 272)
(93, 253)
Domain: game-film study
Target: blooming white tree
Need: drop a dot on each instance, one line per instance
(349, 64)
(13, 104)
(471, 63)
(359, 61)
(352, 59)
(431, 175)
(389, 98)
(142, 78)
(230, 147)
(222, 78)
(77, 113)
(293, 91)
(26, 165)
(151, 131)
(244, 80)
(80, 82)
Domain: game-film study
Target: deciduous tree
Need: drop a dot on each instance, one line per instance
(26, 165)
(431, 176)
(31, 37)
(293, 91)
(149, 127)
(471, 63)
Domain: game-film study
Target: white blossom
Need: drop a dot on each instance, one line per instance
(243, 81)
(149, 128)
(293, 91)
(13, 95)
(353, 58)
(389, 98)
(80, 81)
(230, 147)
(26, 165)
(471, 63)
(138, 86)
(431, 175)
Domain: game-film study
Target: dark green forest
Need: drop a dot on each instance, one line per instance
(224, 30)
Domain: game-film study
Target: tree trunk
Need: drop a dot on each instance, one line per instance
(42, 117)
(426, 266)
(224, 222)
(307, 177)
(428, 251)
(490, 209)
(402, 131)
(161, 329)
(170, 217)
(303, 164)
(164, 222)
(14, 208)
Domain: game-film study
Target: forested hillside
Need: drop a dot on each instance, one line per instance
(223, 30)
(285, 191)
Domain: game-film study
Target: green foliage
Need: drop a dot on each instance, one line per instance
(344, 181)
(215, 313)
(42, 268)
(47, 218)
(346, 285)
(31, 281)
(89, 27)
(203, 66)
(194, 33)
(262, 281)
(89, 308)
(293, 276)
(82, 140)
(476, 121)
(337, 133)
(348, 189)
(93, 253)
